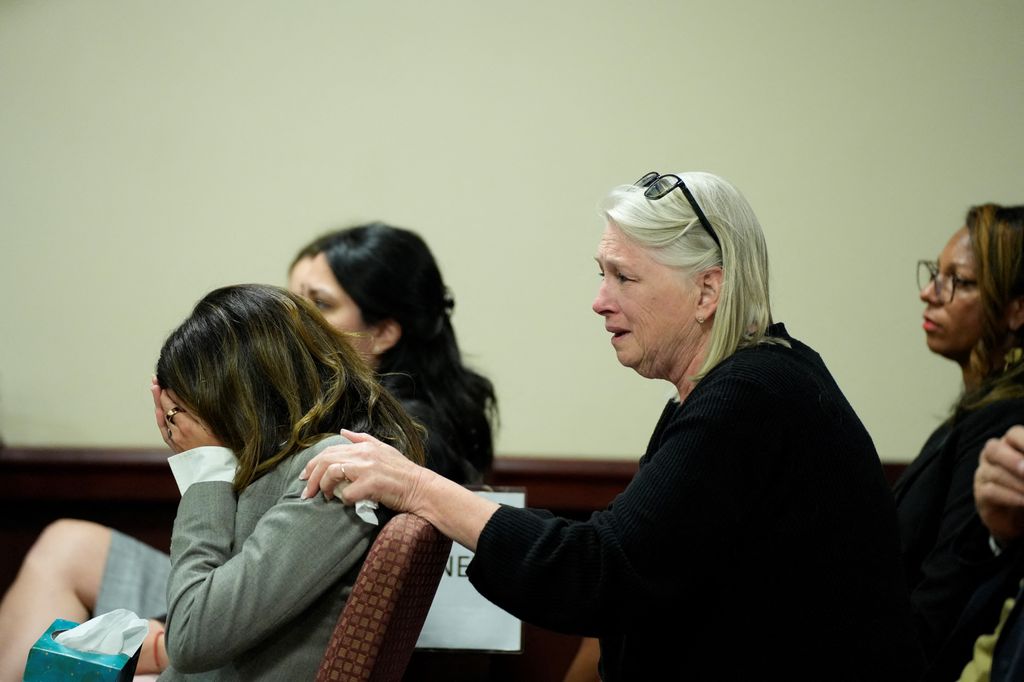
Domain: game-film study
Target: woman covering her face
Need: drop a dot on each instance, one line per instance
(380, 284)
(265, 381)
(974, 316)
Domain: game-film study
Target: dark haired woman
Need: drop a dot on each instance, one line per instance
(383, 283)
(270, 382)
(378, 282)
(974, 316)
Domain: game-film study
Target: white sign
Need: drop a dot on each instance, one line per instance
(460, 617)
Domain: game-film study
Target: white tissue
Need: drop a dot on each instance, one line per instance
(365, 509)
(117, 632)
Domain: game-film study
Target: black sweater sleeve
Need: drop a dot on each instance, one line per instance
(669, 531)
(760, 508)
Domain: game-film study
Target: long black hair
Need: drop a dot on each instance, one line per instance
(390, 273)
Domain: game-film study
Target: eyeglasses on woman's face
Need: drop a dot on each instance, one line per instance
(659, 185)
(945, 285)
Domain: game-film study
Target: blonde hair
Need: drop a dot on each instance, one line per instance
(670, 230)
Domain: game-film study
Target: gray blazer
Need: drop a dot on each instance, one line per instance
(258, 581)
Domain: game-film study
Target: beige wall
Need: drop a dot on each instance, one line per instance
(152, 151)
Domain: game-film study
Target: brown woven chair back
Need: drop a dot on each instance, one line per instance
(378, 628)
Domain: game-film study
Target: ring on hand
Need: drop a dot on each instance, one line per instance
(343, 474)
(169, 415)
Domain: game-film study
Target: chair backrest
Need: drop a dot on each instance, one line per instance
(376, 633)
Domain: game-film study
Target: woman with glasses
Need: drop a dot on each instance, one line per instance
(974, 316)
(757, 540)
(383, 286)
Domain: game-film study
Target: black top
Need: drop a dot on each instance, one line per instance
(759, 527)
(1008, 656)
(445, 442)
(945, 546)
(981, 615)
(440, 455)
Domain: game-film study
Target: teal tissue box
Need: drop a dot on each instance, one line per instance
(49, 661)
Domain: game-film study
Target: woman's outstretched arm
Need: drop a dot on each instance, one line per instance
(367, 469)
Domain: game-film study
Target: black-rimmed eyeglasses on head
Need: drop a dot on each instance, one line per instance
(945, 285)
(659, 185)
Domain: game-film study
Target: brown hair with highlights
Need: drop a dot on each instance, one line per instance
(270, 377)
(997, 242)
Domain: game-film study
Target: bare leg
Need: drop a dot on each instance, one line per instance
(59, 578)
(152, 660)
(584, 666)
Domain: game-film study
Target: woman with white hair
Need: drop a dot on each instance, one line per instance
(759, 526)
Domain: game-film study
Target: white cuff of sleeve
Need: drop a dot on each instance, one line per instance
(994, 546)
(206, 463)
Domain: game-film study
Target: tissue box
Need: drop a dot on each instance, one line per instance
(49, 661)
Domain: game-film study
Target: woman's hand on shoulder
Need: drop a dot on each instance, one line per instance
(999, 485)
(365, 469)
(179, 429)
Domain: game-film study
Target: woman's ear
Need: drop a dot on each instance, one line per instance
(385, 334)
(710, 283)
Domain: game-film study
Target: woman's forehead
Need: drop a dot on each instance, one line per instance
(616, 248)
(958, 250)
(314, 272)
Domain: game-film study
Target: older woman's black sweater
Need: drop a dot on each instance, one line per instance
(758, 540)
